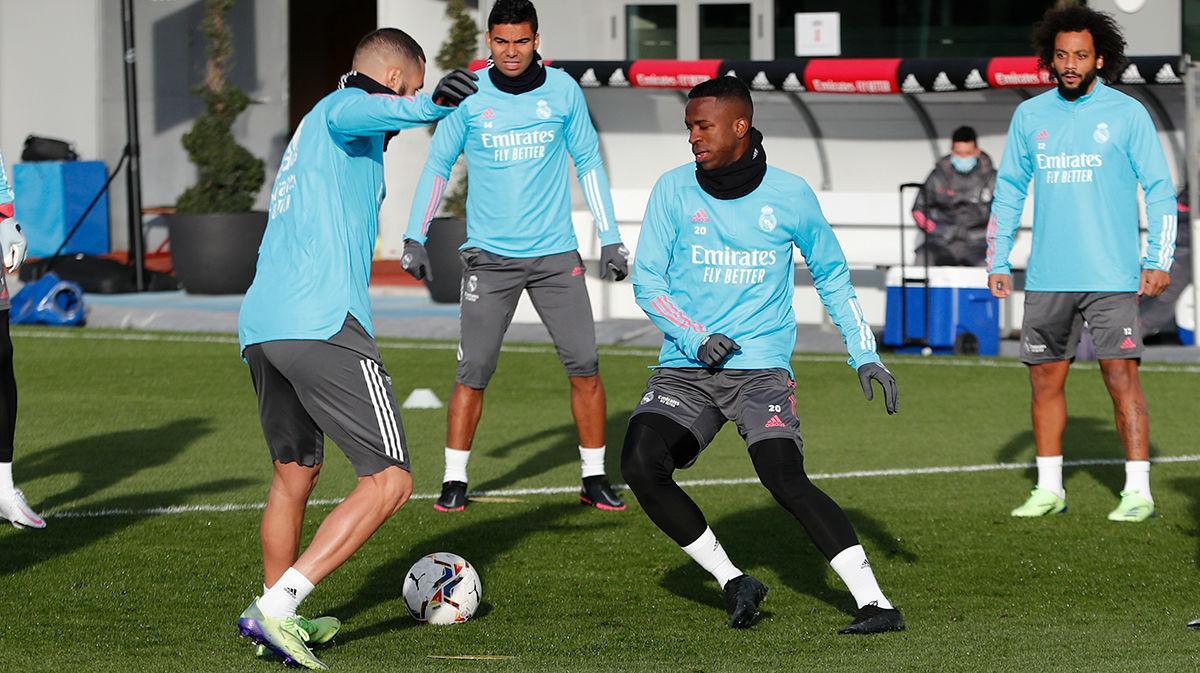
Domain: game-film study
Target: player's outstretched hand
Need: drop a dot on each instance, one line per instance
(415, 260)
(891, 393)
(614, 259)
(455, 87)
(715, 348)
(12, 244)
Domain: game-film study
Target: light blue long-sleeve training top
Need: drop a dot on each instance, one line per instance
(705, 265)
(516, 146)
(1086, 159)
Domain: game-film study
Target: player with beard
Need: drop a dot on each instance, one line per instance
(714, 272)
(1086, 147)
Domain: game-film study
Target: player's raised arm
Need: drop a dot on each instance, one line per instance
(650, 285)
(1012, 185)
(1162, 218)
(371, 114)
(584, 147)
(447, 144)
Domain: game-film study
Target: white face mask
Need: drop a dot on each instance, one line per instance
(964, 164)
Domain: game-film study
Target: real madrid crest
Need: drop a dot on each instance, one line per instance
(766, 219)
(1100, 135)
(543, 109)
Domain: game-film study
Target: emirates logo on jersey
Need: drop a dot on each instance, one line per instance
(700, 216)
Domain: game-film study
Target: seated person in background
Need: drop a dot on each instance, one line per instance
(953, 207)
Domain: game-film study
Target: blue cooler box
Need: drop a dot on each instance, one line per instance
(960, 304)
(1184, 318)
(51, 197)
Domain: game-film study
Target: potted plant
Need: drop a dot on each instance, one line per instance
(214, 234)
(447, 234)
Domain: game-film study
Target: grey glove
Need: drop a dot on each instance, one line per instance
(455, 87)
(415, 260)
(614, 259)
(891, 393)
(715, 348)
(12, 244)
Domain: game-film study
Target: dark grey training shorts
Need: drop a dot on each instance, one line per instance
(1054, 321)
(308, 389)
(491, 288)
(762, 402)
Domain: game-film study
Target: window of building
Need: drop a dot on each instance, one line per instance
(651, 31)
(919, 28)
(725, 31)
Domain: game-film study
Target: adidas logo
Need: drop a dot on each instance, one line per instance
(1042, 135)
(700, 216)
(1132, 75)
(1128, 344)
(911, 85)
(975, 80)
(761, 83)
(489, 114)
(291, 591)
(775, 422)
(589, 78)
(942, 83)
(1166, 75)
(618, 78)
(792, 83)
(866, 564)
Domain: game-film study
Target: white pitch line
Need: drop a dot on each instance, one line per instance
(606, 350)
(558, 490)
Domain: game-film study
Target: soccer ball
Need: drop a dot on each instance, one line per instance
(442, 588)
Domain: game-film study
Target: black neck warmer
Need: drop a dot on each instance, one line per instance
(357, 80)
(533, 77)
(738, 178)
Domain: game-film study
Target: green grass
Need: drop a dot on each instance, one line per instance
(129, 425)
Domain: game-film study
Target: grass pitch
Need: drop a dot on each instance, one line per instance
(147, 457)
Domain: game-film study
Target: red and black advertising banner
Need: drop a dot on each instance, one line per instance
(851, 75)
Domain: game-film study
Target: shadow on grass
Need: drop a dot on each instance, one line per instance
(100, 462)
(563, 450)
(1189, 487)
(770, 537)
(1084, 439)
(481, 542)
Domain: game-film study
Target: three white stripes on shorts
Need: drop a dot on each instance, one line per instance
(385, 415)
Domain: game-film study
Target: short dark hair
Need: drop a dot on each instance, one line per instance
(726, 87)
(1072, 18)
(390, 39)
(964, 134)
(512, 12)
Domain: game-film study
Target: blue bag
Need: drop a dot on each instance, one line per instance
(49, 300)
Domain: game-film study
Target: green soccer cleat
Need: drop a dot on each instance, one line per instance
(1040, 503)
(284, 637)
(1134, 507)
(320, 632)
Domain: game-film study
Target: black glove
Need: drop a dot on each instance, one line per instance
(891, 393)
(715, 348)
(454, 87)
(415, 260)
(614, 258)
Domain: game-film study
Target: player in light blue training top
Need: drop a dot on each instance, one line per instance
(1086, 147)
(13, 506)
(305, 329)
(714, 271)
(517, 134)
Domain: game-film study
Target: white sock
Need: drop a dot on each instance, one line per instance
(592, 462)
(282, 599)
(708, 552)
(1137, 477)
(1050, 474)
(6, 483)
(852, 566)
(456, 465)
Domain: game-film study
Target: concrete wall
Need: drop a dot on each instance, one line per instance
(1151, 27)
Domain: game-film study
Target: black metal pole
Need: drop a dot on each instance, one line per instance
(137, 243)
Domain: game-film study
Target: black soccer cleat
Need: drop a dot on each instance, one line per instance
(871, 618)
(742, 597)
(453, 498)
(597, 492)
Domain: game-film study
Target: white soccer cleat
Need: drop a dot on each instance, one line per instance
(14, 508)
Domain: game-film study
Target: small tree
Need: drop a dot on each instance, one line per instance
(457, 52)
(230, 176)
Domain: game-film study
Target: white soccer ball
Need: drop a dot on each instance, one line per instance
(442, 588)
